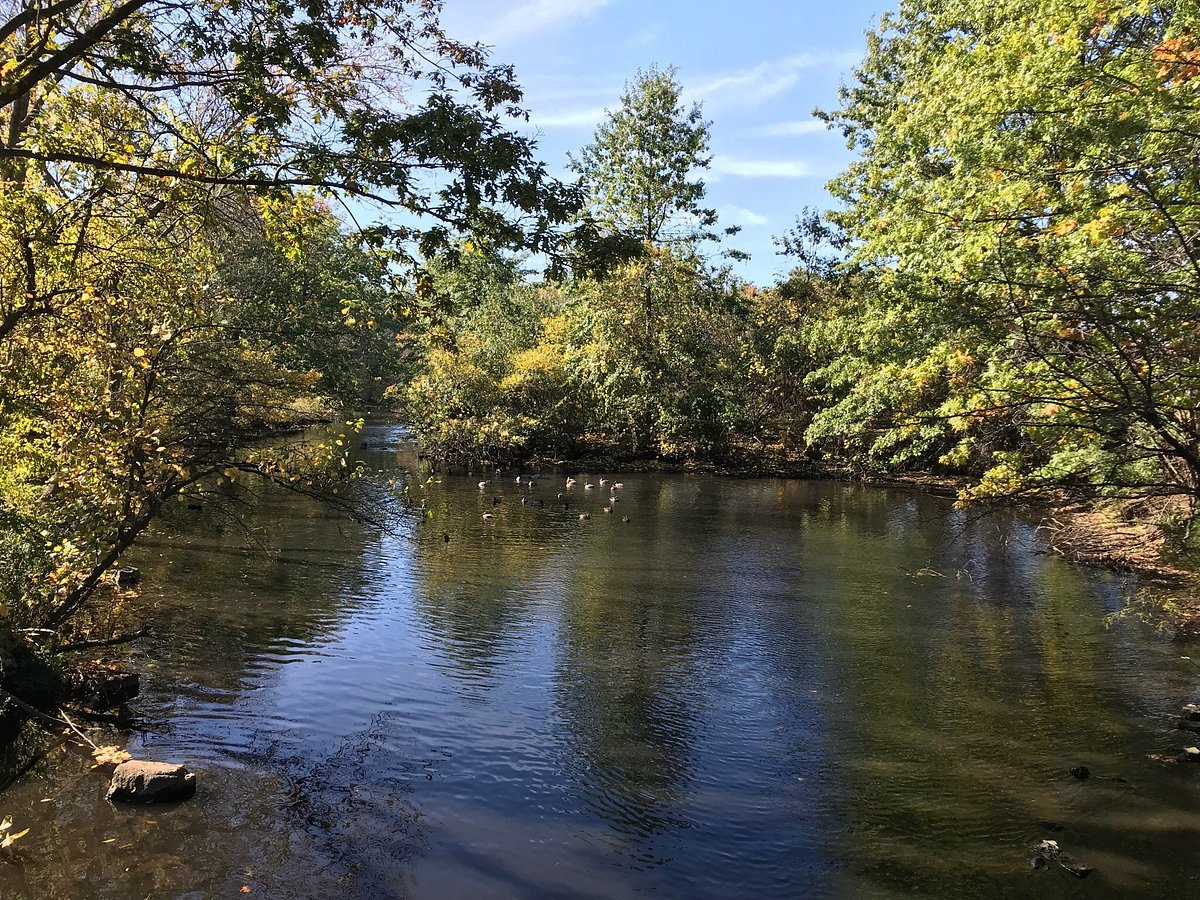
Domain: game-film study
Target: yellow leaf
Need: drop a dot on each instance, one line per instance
(110, 755)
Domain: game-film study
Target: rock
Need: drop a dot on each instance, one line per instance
(136, 781)
(1191, 712)
(1189, 754)
(128, 577)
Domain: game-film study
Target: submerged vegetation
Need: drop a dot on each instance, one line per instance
(206, 233)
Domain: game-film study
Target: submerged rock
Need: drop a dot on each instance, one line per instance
(136, 781)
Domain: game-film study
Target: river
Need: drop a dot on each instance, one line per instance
(752, 688)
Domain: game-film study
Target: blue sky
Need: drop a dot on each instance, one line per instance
(759, 67)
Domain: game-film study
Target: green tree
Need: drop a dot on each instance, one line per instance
(157, 159)
(638, 354)
(638, 173)
(1026, 200)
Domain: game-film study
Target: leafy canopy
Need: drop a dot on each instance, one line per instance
(1026, 200)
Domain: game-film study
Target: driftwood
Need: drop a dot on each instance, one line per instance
(110, 642)
(64, 725)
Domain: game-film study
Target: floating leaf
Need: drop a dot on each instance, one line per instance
(111, 755)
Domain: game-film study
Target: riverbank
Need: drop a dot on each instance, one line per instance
(1122, 537)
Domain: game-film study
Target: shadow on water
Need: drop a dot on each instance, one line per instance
(770, 688)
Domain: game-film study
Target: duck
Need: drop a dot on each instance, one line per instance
(618, 485)
(483, 484)
(603, 481)
(624, 518)
(608, 509)
(488, 515)
(571, 482)
(583, 517)
(589, 486)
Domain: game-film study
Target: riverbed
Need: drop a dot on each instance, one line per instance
(751, 688)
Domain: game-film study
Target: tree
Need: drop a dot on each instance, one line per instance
(155, 389)
(636, 175)
(155, 158)
(1027, 202)
(639, 181)
(637, 354)
(364, 98)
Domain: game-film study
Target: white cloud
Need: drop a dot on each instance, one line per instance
(643, 38)
(765, 80)
(537, 16)
(747, 218)
(792, 129)
(761, 168)
(579, 118)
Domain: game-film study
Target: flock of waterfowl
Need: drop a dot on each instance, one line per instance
(564, 496)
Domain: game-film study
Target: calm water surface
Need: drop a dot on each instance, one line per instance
(761, 688)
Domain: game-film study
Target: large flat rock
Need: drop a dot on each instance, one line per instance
(135, 781)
